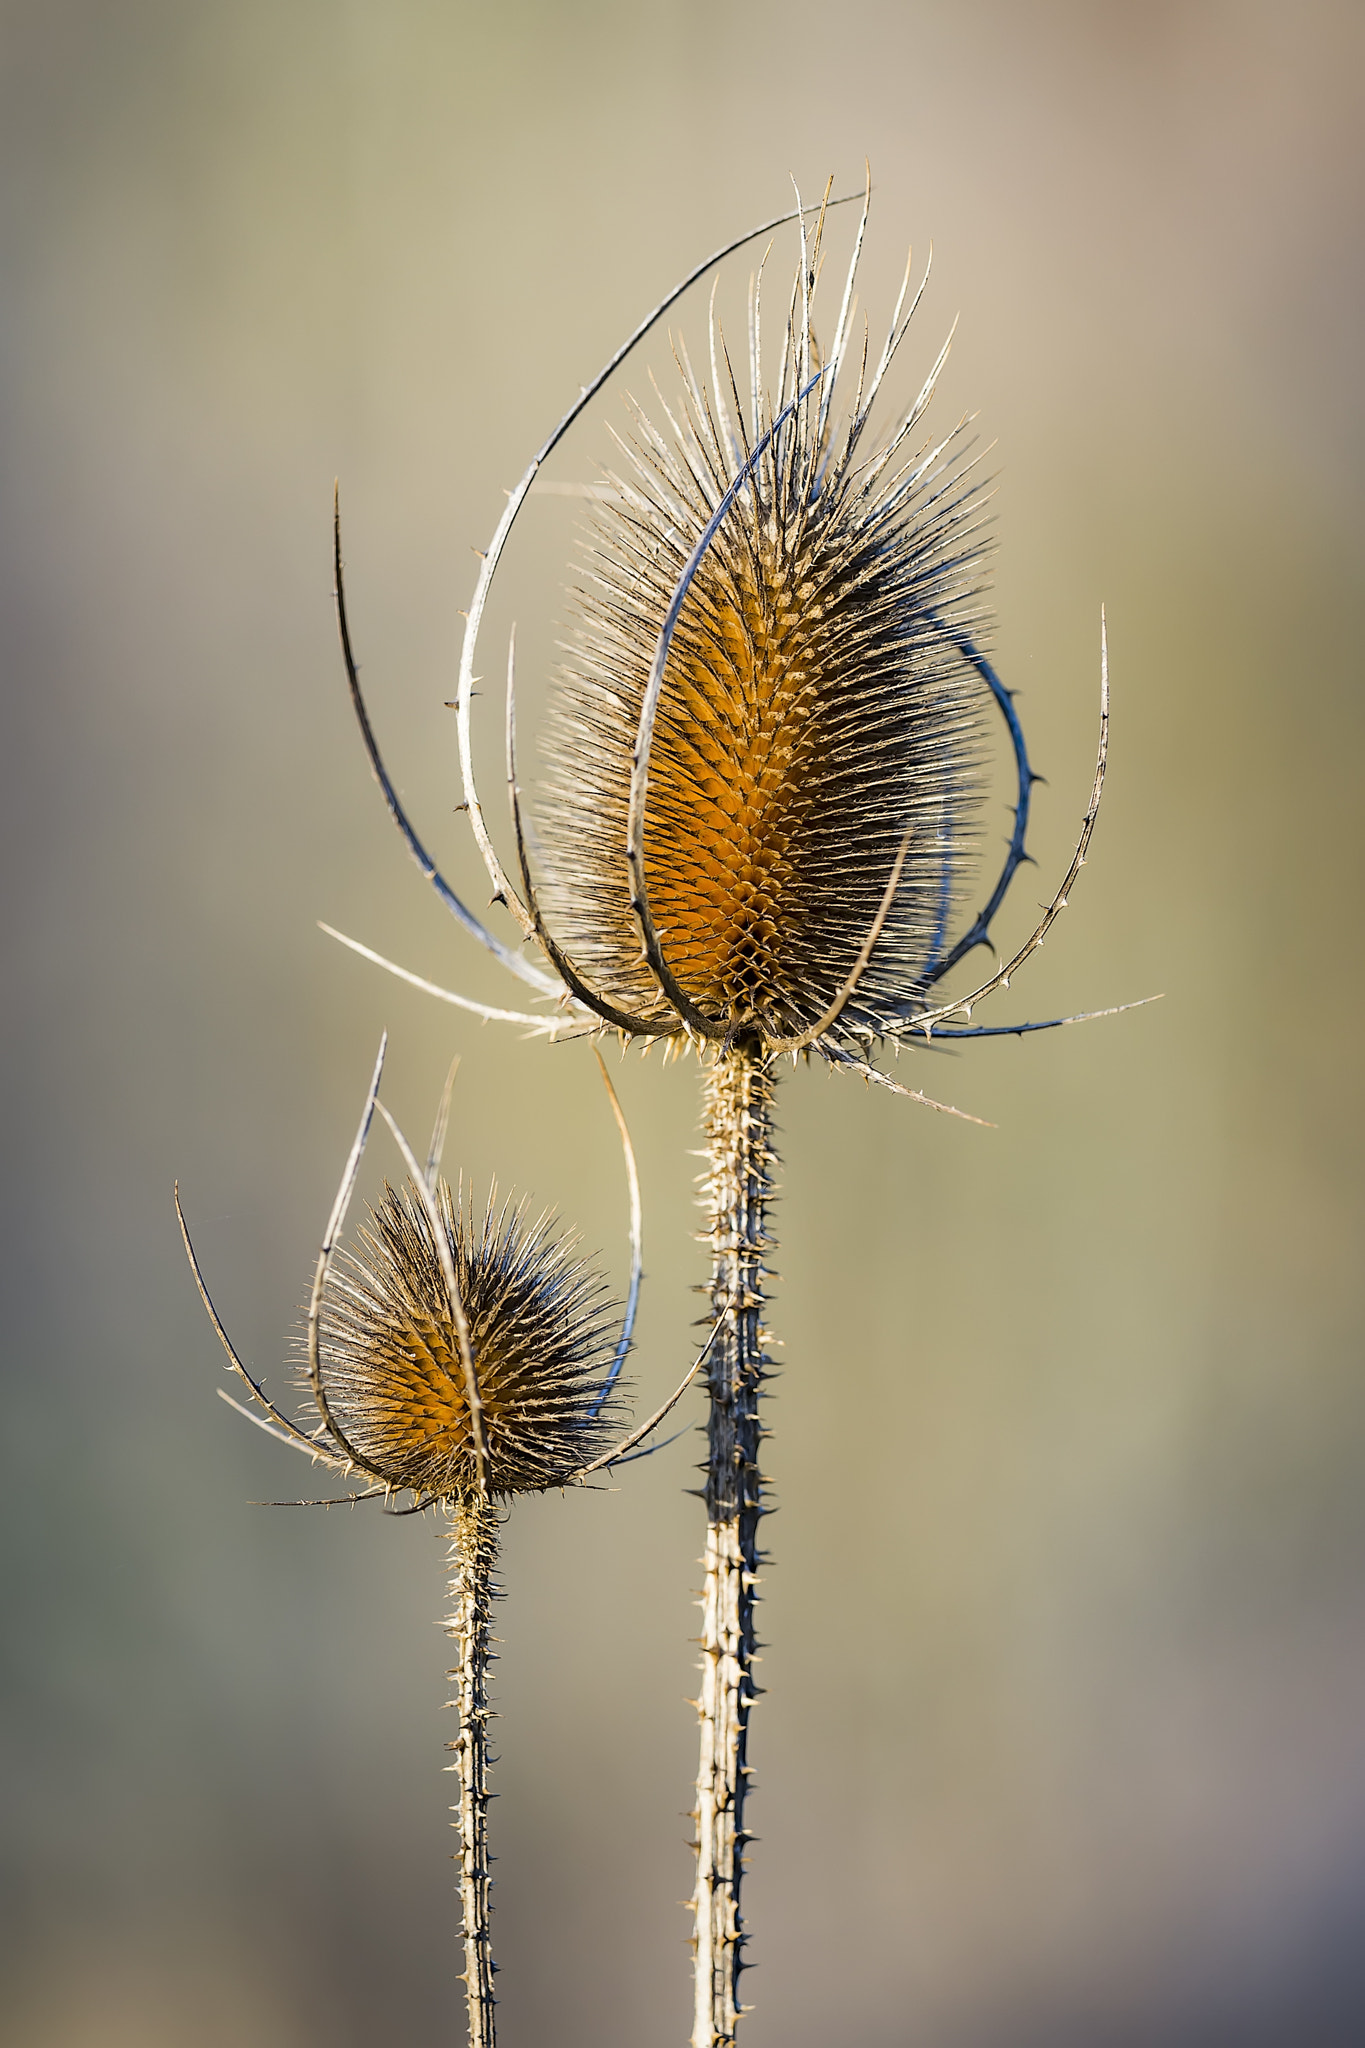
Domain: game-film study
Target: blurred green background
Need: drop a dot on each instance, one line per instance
(1070, 1441)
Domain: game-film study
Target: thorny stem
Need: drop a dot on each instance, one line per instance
(473, 1556)
(738, 1113)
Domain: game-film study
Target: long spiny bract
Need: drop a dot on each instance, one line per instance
(542, 1333)
(816, 708)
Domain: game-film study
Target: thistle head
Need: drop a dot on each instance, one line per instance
(539, 1327)
(462, 1357)
(795, 602)
(765, 748)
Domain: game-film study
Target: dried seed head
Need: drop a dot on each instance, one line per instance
(542, 1335)
(765, 755)
(817, 710)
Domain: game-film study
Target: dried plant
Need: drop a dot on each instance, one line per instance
(463, 1359)
(765, 763)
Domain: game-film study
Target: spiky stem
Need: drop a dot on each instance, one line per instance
(473, 1556)
(739, 1151)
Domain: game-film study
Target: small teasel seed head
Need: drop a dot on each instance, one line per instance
(817, 712)
(542, 1332)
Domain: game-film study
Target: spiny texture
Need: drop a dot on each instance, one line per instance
(541, 1336)
(473, 1556)
(739, 1102)
(816, 706)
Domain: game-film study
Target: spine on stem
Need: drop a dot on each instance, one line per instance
(473, 1556)
(739, 1152)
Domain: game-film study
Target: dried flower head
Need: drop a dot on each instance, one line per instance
(457, 1358)
(541, 1330)
(765, 750)
(817, 726)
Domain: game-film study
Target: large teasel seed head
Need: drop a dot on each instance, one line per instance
(542, 1334)
(817, 711)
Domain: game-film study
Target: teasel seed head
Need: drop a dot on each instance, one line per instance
(817, 720)
(541, 1329)
(765, 748)
(464, 1360)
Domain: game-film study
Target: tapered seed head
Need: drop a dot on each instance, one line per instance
(816, 705)
(542, 1335)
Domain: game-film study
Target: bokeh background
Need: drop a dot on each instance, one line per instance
(1064, 1741)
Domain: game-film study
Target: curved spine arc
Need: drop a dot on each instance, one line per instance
(581, 990)
(335, 1222)
(523, 969)
(621, 1454)
(1046, 1023)
(923, 1023)
(636, 1243)
(282, 1427)
(978, 932)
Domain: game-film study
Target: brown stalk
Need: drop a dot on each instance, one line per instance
(473, 1557)
(738, 1124)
